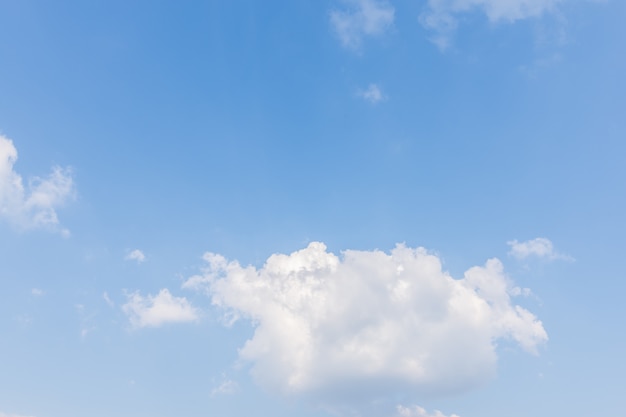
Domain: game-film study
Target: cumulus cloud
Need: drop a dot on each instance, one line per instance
(154, 311)
(368, 323)
(373, 93)
(417, 411)
(35, 205)
(441, 16)
(539, 247)
(136, 255)
(361, 18)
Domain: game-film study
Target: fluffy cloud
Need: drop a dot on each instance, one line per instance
(368, 324)
(362, 18)
(373, 94)
(154, 311)
(441, 15)
(136, 255)
(539, 247)
(416, 411)
(35, 205)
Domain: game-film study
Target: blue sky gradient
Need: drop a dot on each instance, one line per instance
(248, 129)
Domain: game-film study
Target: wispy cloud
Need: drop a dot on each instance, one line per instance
(33, 206)
(417, 411)
(539, 248)
(225, 387)
(441, 16)
(373, 94)
(37, 292)
(379, 323)
(136, 255)
(154, 311)
(107, 299)
(361, 18)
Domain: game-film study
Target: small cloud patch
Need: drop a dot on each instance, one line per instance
(372, 94)
(136, 255)
(537, 248)
(154, 311)
(361, 18)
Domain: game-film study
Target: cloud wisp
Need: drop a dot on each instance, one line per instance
(417, 411)
(33, 206)
(537, 248)
(157, 310)
(369, 324)
(225, 387)
(441, 16)
(360, 19)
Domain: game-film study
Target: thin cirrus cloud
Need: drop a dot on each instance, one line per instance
(136, 255)
(157, 310)
(442, 16)
(369, 323)
(360, 19)
(540, 247)
(32, 206)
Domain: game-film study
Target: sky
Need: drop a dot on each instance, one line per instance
(351, 208)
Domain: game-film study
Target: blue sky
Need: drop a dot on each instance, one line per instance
(360, 208)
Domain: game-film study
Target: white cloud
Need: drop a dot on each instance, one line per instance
(33, 206)
(373, 94)
(136, 255)
(539, 247)
(10, 415)
(362, 18)
(37, 292)
(441, 15)
(417, 411)
(368, 323)
(154, 311)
